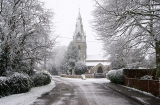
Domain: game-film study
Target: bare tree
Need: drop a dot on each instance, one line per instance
(24, 31)
(56, 58)
(136, 21)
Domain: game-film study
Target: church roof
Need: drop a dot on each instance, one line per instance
(96, 63)
(95, 57)
(93, 60)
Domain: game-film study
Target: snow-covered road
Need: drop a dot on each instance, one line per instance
(82, 92)
(69, 91)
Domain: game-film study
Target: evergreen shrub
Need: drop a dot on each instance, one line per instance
(41, 78)
(16, 83)
(80, 68)
(116, 76)
(20, 83)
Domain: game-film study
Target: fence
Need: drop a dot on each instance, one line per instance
(151, 86)
(132, 79)
(99, 75)
(138, 73)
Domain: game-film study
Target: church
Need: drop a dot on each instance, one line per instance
(95, 63)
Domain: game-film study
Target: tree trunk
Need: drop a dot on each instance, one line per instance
(158, 59)
(73, 73)
(32, 62)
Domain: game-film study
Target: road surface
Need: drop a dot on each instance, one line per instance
(82, 92)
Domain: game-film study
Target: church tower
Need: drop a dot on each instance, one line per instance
(80, 38)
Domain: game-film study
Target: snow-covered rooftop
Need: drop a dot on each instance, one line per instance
(96, 57)
(96, 63)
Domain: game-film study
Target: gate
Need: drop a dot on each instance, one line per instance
(99, 75)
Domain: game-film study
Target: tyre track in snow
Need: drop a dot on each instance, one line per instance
(82, 92)
(64, 93)
(96, 93)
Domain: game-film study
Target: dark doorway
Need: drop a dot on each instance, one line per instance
(99, 73)
(100, 70)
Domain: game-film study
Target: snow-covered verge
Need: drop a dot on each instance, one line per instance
(26, 98)
(146, 93)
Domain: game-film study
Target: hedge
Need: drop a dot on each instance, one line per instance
(40, 79)
(116, 76)
(16, 83)
(20, 83)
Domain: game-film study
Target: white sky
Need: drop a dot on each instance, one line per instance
(66, 13)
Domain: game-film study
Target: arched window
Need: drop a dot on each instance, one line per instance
(100, 70)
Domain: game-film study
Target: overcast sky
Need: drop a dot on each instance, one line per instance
(66, 13)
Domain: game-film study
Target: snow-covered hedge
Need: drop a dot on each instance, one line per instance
(20, 83)
(116, 76)
(80, 68)
(16, 83)
(40, 78)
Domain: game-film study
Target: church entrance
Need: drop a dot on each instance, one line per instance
(100, 70)
(99, 73)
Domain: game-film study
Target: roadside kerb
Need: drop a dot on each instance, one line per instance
(126, 92)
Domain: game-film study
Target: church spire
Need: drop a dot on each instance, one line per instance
(80, 38)
(79, 34)
(79, 15)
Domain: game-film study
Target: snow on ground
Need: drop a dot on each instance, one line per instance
(96, 80)
(92, 92)
(146, 93)
(80, 81)
(31, 96)
(26, 98)
(142, 100)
